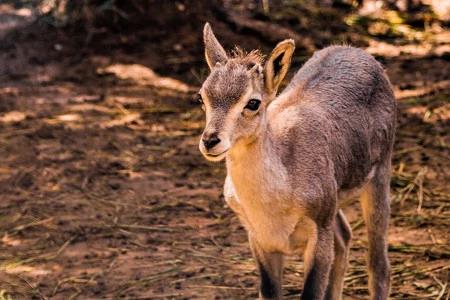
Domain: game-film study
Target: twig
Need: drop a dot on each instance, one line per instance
(144, 227)
(223, 287)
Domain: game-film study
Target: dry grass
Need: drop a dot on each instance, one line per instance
(104, 194)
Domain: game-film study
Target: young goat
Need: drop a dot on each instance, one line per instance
(293, 158)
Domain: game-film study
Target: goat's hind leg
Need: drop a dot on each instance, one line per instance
(342, 238)
(376, 210)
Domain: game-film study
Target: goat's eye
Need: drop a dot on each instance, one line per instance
(199, 98)
(253, 104)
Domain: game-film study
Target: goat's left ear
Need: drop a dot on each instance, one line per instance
(214, 51)
(277, 65)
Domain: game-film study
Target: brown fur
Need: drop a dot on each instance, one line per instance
(249, 59)
(291, 160)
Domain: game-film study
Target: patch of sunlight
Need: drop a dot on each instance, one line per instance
(5, 171)
(92, 107)
(370, 7)
(69, 117)
(421, 91)
(4, 295)
(389, 50)
(12, 17)
(85, 98)
(353, 19)
(381, 22)
(145, 76)
(9, 91)
(123, 120)
(440, 7)
(443, 112)
(9, 241)
(18, 268)
(393, 17)
(12, 117)
(129, 100)
(430, 115)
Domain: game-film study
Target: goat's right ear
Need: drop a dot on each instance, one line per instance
(277, 65)
(214, 52)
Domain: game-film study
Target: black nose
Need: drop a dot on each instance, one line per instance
(210, 141)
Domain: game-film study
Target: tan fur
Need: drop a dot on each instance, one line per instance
(293, 159)
(285, 49)
(272, 221)
(254, 57)
(342, 237)
(375, 202)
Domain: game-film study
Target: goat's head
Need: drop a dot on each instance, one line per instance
(237, 92)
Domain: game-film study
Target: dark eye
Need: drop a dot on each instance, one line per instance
(199, 98)
(253, 104)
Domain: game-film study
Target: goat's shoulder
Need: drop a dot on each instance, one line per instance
(301, 132)
(291, 111)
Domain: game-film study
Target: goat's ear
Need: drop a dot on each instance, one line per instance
(277, 65)
(214, 52)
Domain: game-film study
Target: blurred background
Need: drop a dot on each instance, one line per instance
(103, 193)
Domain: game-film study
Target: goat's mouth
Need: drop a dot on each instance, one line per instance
(214, 156)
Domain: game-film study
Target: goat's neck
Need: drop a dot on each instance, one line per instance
(255, 162)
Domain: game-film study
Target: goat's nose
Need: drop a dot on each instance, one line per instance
(210, 140)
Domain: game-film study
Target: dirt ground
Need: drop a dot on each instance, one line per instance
(104, 194)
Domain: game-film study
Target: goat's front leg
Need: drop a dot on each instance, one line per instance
(270, 266)
(318, 258)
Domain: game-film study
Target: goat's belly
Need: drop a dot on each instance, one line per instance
(349, 196)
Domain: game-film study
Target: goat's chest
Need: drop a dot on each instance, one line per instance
(269, 215)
